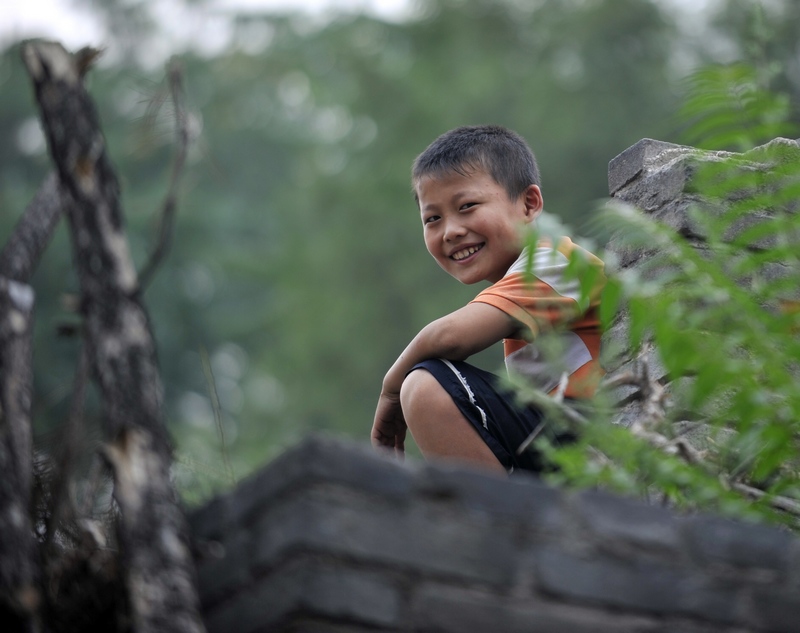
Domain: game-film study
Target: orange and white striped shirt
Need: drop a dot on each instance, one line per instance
(557, 335)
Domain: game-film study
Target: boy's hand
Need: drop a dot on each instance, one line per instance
(389, 427)
(456, 336)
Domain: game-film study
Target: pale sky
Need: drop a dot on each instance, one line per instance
(74, 27)
(62, 20)
(207, 29)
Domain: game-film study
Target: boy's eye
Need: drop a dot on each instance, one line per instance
(466, 206)
(430, 218)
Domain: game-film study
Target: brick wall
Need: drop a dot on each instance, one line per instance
(332, 537)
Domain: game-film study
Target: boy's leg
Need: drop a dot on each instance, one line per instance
(438, 426)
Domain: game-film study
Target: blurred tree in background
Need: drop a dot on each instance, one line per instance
(298, 270)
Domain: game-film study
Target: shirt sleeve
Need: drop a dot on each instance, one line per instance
(531, 301)
(538, 292)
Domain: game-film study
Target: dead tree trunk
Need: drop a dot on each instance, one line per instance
(20, 597)
(158, 569)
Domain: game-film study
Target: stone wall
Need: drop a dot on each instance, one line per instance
(656, 178)
(332, 537)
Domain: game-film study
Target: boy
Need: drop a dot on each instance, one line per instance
(477, 188)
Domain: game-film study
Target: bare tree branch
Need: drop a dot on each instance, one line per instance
(159, 573)
(618, 380)
(170, 205)
(31, 235)
(215, 407)
(784, 504)
(654, 413)
(654, 395)
(19, 596)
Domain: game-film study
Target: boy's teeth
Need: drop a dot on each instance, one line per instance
(465, 253)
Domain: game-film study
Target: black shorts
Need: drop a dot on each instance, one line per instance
(502, 422)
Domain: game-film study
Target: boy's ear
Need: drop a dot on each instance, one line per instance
(534, 203)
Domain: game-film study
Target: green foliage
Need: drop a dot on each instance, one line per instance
(728, 107)
(298, 261)
(720, 304)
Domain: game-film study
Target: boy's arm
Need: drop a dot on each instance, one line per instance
(456, 336)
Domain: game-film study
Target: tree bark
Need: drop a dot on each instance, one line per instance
(19, 596)
(20, 573)
(155, 557)
(31, 235)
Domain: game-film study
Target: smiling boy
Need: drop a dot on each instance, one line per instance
(477, 189)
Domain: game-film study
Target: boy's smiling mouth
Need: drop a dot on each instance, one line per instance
(466, 252)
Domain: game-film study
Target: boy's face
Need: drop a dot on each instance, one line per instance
(471, 226)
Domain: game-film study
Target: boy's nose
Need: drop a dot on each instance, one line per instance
(454, 230)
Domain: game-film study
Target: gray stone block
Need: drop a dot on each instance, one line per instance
(602, 581)
(319, 625)
(211, 520)
(459, 610)
(690, 626)
(521, 497)
(422, 537)
(648, 354)
(635, 585)
(777, 150)
(678, 215)
(227, 568)
(756, 220)
(615, 343)
(629, 255)
(641, 255)
(627, 414)
(713, 599)
(776, 610)
(704, 436)
(659, 187)
(714, 540)
(633, 161)
(773, 271)
(793, 556)
(622, 524)
(321, 458)
(310, 587)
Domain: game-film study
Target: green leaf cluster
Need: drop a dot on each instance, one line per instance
(720, 303)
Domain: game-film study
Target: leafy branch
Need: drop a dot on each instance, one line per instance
(714, 305)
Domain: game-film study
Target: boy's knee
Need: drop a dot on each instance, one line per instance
(419, 387)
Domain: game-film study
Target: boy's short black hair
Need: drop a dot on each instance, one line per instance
(500, 152)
